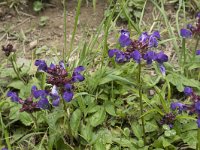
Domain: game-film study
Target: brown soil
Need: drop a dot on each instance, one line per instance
(25, 33)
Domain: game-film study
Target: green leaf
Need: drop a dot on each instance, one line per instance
(110, 109)
(37, 6)
(25, 118)
(86, 132)
(17, 84)
(98, 117)
(180, 81)
(137, 130)
(75, 122)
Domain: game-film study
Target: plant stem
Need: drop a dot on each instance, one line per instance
(198, 139)
(141, 102)
(65, 31)
(195, 48)
(34, 120)
(183, 52)
(43, 81)
(75, 27)
(16, 70)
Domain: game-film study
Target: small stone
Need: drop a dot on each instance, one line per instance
(151, 92)
(33, 44)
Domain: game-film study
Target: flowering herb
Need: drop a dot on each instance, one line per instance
(193, 108)
(60, 79)
(8, 49)
(138, 49)
(168, 119)
(31, 104)
(198, 52)
(192, 30)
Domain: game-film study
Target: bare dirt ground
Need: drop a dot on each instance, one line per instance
(22, 27)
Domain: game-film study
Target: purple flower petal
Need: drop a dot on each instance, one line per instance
(190, 27)
(41, 65)
(156, 34)
(52, 66)
(136, 56)
(39, 93)
(77, 77)
(13, 96)
(67, 96)
(198, 52)
(79, 69)
(56, 102)
(149, 57)
(34, 88)
(120, 57)
(61, 63)
(198, 15)
(43, 103)
(198, 122)
(125, 32)
(177, 105)
(197, 107)
(185, 33)
(144, 37)
(112, 52)
(188, 91)
(161, 57)
(152, 42)
(68, 87)
(162, 70)
(124, 40)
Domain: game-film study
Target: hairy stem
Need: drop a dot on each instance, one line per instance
(34, 120)
(65, 31)
(141, 102)
(16, 70)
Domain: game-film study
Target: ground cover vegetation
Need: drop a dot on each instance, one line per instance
(141, 91)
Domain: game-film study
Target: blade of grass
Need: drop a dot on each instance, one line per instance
(75, 28)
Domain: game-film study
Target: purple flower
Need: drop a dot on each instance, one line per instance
(188, 91)
(190, 27)
(79, 69)
(162, 70)
(177, 105)
(77, 77)
(4, 148)
(149, 57)
(185, 33)
(68, 87)
(55, 97)
(144, 37)
(198, 52)
(120, 57)
(13, 96)
(52, 66)
(67, 96)
(156, 34)
(197, 107)
(39, 93)
(153, 41)
(198, 122)
(124, 38)
(161, 57)
(41, 65)
(61, 63)
(43, 103)
(112, 52)
(136, 56)
(198, 15)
